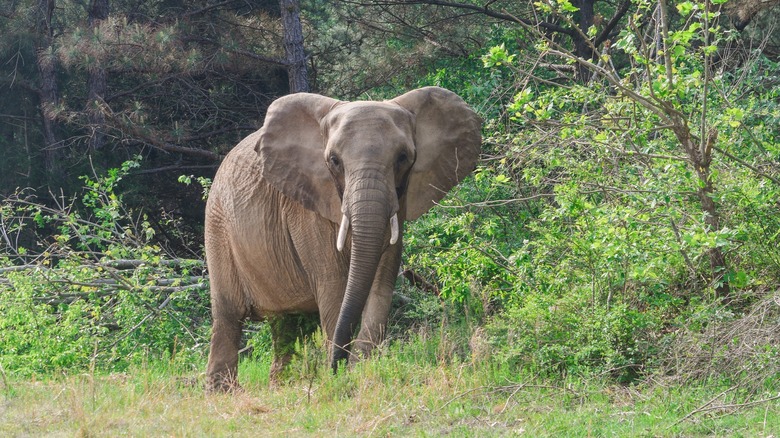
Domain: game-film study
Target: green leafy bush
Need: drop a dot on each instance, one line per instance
(82, 284)
(605, 215)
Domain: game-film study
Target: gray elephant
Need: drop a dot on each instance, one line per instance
(306, 215)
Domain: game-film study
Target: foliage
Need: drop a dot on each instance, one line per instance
(158, 78)
(381, 49)
(83, 291)
(204, 182)
(594, 222)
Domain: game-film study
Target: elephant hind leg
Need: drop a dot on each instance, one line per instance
(285, 330)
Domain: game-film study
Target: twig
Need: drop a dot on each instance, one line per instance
(746, 164)
(514, 388)
(462, 394)
(723, 407)
(499, 202)
(742, 405)
(6, 385)
(511, 396)
(154, 312)
(703, 408)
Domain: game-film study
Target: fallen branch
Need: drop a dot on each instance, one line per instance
(20, 268)
(707, 408)
(417, 281)
(121, 264)
(133, 263)
(107, 282)
(742, 405)
(703, 407)
(68, 298)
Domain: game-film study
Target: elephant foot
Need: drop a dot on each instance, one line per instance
(222, 384)
(363, 349)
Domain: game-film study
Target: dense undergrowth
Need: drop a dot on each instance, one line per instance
(624, 225)
(85, 285)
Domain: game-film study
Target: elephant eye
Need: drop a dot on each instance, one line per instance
(402, 158)
(334, 160)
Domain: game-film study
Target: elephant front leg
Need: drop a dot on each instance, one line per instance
(377, 310)
(222, 371)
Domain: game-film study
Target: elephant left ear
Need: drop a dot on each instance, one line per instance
(291, 149)
(447, 139)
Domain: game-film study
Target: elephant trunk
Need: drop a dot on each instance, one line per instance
(369, 213)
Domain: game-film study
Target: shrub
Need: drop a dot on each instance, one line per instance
(83, 283)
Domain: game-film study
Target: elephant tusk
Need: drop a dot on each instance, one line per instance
(394, 229)
(342, 233)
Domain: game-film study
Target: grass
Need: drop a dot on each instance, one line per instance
(397, 393)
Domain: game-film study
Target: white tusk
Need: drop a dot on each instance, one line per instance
(342, 233)
(394, 229)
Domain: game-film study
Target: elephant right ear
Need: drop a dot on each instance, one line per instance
(292, 152)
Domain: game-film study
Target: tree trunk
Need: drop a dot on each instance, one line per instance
(293, 46)
(98, 11)
(700, 156)
(582, 45)
(48, 92)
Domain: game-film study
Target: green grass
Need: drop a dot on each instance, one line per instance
(396, 393)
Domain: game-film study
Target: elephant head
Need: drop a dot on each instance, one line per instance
(367, 166)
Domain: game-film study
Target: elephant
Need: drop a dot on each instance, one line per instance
(306, 215)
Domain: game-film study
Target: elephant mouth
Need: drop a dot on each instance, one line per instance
(344, 227)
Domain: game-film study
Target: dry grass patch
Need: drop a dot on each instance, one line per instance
(390, 395)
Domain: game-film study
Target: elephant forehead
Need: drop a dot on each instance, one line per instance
(361, 118)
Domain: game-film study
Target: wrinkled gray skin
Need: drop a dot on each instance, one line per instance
(282, 195)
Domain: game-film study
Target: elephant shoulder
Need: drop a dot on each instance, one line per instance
(243, 154)
(240, 170)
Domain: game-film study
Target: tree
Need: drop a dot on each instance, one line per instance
(96, 82)
(156, 78)
(586, 28)
(48, 92)
(295, 55)
(661, 101)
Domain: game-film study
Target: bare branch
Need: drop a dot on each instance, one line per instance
(484, 10)
(746, 164)
(207, 8)
(613, 22)
(174, 168)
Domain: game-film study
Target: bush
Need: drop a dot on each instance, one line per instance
(606, 215)
(82, 283)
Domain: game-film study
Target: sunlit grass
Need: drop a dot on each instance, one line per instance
(396, 393)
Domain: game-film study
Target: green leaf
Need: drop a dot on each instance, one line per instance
(497, 56)
(685, 8)
(567, 6)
